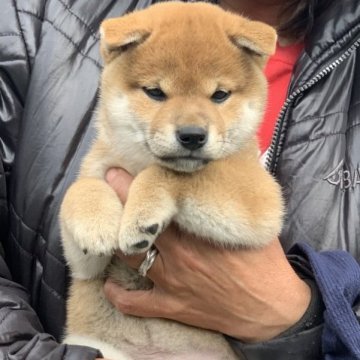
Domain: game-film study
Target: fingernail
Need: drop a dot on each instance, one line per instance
(111, 174)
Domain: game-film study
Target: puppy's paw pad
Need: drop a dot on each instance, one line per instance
(136, 246)
(136, 238)
(141, 244)
(152, 229)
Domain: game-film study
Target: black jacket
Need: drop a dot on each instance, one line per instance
(49, 73)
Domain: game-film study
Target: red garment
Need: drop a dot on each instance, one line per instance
(278, 73)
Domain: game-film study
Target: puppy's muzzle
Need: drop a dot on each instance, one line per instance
(192, 137)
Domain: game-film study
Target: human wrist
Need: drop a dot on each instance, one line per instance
(303, 340)
(279, 297)
(312, 317)
(280, 317)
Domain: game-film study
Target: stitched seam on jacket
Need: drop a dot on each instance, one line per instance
(352, 126)
(322, 137)
(20, 303)
(9, 34)
(353, 28)
(30, 255)
(13, 285)
(93, 33)
(25, 252)
(12, 208)
(51, 289)
(314, 117)
(22, 35)
(50, 253)
(35, 233)
(332, 52)
(76, 46)
(8, 312)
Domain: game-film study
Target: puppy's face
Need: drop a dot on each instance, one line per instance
(184, 81)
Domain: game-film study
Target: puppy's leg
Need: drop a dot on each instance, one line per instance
(149, 209)
(90, 221)
(228, 209)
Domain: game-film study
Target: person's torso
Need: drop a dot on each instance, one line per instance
(316, 147)
(317, 163)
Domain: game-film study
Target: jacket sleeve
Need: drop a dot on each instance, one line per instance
(16, 54)
(21, 334)
(336, 277)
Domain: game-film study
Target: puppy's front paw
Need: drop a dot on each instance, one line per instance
(90, 217)
(148, 210)
(139, 235)
(97, 236)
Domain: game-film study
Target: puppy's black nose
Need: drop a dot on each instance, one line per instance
(192, 137)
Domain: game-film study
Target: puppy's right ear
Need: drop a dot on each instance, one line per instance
(257, 38)
(118, 34)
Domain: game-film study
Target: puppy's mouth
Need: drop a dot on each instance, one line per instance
(182, 163)
(187, 158)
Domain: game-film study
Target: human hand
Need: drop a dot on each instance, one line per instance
(250, 294)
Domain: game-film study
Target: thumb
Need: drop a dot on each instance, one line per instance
(142, 303)
(120, 181)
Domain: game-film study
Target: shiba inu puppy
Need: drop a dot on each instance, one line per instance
(182, 94)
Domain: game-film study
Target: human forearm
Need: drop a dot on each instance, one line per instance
(263, 280)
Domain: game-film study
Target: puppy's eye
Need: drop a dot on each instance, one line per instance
(220, 96)
(155, 93)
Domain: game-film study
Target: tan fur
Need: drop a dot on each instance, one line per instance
(224, 195)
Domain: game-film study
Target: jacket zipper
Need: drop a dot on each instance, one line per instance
(277, 141)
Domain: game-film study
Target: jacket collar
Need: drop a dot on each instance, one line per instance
(333, 33)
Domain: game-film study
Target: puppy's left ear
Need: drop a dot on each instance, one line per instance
(119, 34)
(254, 36)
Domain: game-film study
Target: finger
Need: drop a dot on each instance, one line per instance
(167, 243)
(120, 181)
(134, 261)
(173, 241)
(143, 303)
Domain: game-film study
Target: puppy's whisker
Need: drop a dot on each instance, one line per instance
(227, 142)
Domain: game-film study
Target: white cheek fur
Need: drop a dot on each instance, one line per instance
(243, 128)
(128, 134)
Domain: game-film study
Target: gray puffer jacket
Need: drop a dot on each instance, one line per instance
(49, 73)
